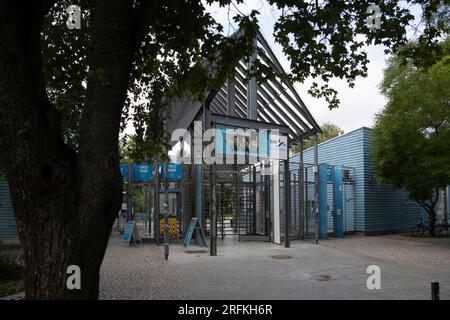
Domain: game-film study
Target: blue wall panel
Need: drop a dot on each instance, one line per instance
(386, 209)
(8, 227)
(346, 150)
(376, 207)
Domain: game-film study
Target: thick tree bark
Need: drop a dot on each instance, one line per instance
(65, 203)
(432, 222)
(429, 208)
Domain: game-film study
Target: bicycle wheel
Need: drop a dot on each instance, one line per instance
(442, 230)
(418, 231)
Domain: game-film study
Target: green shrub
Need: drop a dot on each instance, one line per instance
(11, 287)
(10, 269)
(11, 266)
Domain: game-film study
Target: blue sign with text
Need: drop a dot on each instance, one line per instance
(144, 172)
(174, 170)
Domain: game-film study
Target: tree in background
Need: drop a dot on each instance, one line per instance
(65, 95)
(411, 138)
(329, 131)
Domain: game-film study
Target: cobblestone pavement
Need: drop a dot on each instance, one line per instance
(432, 253)
(138, 272)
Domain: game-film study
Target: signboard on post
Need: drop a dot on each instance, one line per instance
(194, 225)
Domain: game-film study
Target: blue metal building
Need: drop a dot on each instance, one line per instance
(376, 208)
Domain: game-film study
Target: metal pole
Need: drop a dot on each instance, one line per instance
(267, 221)
(156, 210)
(130, 192)
(213, 220)
(301, 231)
(143, 199)
(166, 209)
(252, 86)
(254, 199)
(294, 209)
(222, 211)
(236, 190)
(180, 201)
(333, 200)
(435, 291)
(307, 208)
(287, 202)
(316, 188)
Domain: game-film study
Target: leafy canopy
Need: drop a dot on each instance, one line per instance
(322, 39)
(411, 138)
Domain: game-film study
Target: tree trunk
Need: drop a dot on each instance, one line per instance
(65, 203)
(432, 221)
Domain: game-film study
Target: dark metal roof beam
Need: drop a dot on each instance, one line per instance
(279, 68)
(297, 107)
(217, 106)
(269, 89)
(247, 123)
(270, 115)
(283, 114)
(296, 130)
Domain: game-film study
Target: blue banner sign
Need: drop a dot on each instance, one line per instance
(242, 141)
(144, 172)
(175, 171)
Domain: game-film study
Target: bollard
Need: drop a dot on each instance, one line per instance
(166, 237)
(435, 290)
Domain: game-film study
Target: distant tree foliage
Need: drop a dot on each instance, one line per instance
(329, 131)
(411, 138)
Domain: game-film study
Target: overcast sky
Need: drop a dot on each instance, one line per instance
(358, 105)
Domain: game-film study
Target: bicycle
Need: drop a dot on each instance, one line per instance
(419, 229)
(443, 228)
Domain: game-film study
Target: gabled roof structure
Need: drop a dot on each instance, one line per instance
(274, 101)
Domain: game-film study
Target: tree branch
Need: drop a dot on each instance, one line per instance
(436, 198)
(46, 5)
(144, 15)
(425, 205)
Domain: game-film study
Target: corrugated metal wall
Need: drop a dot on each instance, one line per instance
(346, 150)
(386, 209)
(377, 208)
(8, 227)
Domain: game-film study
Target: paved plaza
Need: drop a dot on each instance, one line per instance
(139, 272)
(333, 269)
